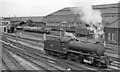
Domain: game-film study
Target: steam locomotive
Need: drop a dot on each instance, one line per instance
(79, 51)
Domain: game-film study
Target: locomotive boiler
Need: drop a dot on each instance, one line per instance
(87, 47)
(79, 51)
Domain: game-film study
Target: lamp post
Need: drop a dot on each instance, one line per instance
(63, 22)
(60, 29)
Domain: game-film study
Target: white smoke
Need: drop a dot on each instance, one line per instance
(91, 17)
(67, 34)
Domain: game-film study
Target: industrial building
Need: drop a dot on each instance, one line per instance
(110, 20)
(109, 14)
(66, 17)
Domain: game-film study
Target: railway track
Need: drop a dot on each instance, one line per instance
(30, 40)
(9, 62)
(67, 61)
(39, 53)
(4, 66)
(37, 60)
(9, 35)
(40, 44)
(42, 67)
(68, 65)
(34, 53)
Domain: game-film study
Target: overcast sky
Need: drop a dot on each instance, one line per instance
(40, 7)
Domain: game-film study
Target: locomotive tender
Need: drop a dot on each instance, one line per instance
(72, 49)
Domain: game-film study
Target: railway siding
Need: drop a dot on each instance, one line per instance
(26, 44)
(10, 61)
(80, 66)
(27, 65)
(109, 54)
(33, 59)
(47, 57)
(68, 65)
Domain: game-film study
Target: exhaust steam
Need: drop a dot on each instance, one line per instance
(91, 17)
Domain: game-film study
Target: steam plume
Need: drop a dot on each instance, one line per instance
(89, 16)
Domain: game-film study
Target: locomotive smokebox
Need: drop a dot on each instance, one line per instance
(87, 47)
